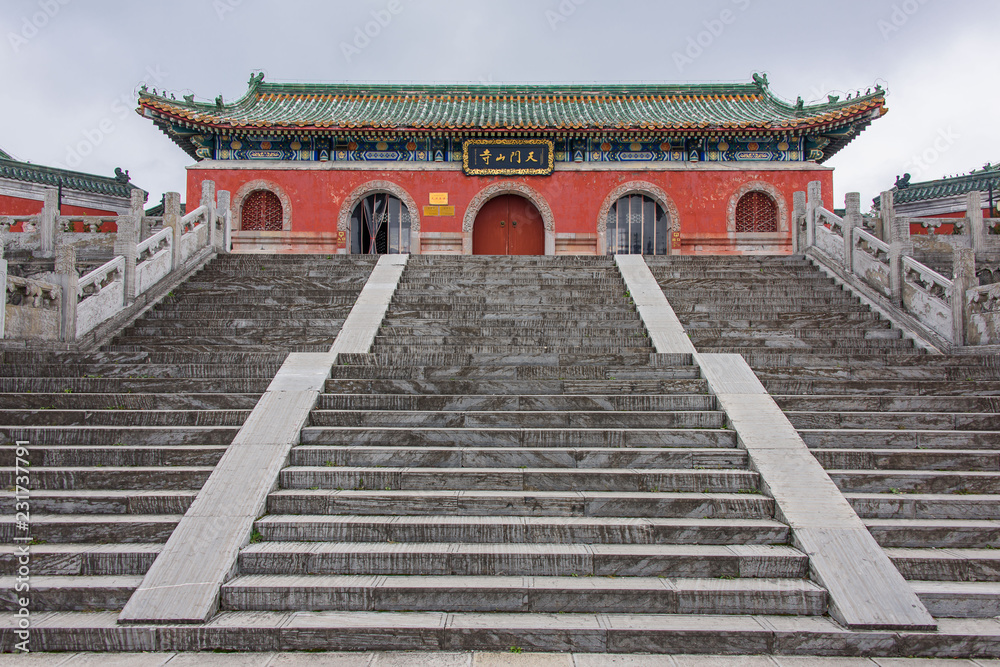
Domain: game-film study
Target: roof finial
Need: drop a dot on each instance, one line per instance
(760, 80)
(122, 176)
(800, 103)
(833, 98)
(903, 182)
(256, 79)
(218, 102)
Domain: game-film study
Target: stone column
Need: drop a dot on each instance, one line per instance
(69, 281)
(887, 211)
(172, 219)
(208, 201)
(899, 246)
(126, 243)
(974, 218)
(48, 224)
(3, 303)
(220, 230)
(798, 217)
(852, 219)
(813, 204)
(964, 279)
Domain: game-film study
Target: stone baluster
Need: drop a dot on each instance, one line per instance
(852, 219)
(221, 230)
(900, 246)
(208, 201)
(798, 218)
(813, 203)
(127, 240)
(964, 260)
(172, 219)
(974, 218)
(887, 212)
(69, 281)
(48, 223)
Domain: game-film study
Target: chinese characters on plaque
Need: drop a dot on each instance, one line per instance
(508, 157)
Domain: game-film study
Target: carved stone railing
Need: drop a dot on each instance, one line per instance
(38, 310)
(886, 271)
(29, 223)
(984, 314)
(91, 224)
(100, 295)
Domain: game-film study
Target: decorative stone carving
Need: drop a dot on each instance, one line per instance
(249, 188)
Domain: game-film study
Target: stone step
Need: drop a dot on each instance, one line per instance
(106, 370)
(565, 338)
(514, 371)
(125, 501)
(928, 565)
(918, 481)
(117, 436)
(529, 402)
(877, 403)
(738, 341)
(552, 354)
(925, 506)
(45, 456)
(888, 388)
(521, 529)
(899, 438)
(959, 599)
(515, 419)
(938, 421)
(510, 457)
(140, 386)
(114, 415)
(128, 401)
(525, 560)
(516, 437)
(82, 593)
(520, 594)
(91, 528)
(81, 559)
(513, 387)
(521, 503)
(520, 479)
(113, 477)
(920, 459)
(935, 533)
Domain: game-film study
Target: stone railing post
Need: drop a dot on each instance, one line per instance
(798, 217)
(220, 230)
(172, 219)
(887, 212)
(899, 247)
(814, 202)
(48, 223)
(852, 219)
(974, 218)
(208, 201)
(3, 286)
(964, 279)
(69, 281)
(127, 240)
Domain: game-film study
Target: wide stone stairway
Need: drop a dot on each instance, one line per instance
(120, 440)
(912, 439)
(513, 444)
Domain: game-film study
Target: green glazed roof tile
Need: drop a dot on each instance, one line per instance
(71, 180)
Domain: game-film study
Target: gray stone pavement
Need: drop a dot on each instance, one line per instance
(470, 659)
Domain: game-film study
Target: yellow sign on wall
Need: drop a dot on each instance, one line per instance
(439, 198)
(447, 211)
(432, 211)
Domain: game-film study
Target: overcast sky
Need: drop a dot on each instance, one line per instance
(72, 67)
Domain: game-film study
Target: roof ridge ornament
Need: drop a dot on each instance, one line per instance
(122, 176)
(256, 79)
(760, 80)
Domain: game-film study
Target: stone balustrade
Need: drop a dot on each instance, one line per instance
(37, 309)
(956, 310)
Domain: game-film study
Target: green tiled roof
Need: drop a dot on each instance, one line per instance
(681, 110)
(71, 180)
(4, 155)
(947, 187)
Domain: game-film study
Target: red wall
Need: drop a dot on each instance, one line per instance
(576, 197)
(20, 206)
(917, 228)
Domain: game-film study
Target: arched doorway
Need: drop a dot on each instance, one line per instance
(508, 225)
(380, 225)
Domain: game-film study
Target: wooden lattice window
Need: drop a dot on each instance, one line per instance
(756, 212)
(262, 212)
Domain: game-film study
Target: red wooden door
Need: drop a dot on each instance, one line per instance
(508, 225)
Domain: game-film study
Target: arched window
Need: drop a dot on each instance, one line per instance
(262, 212)
(756, 212)
(380, 225)
(637, 225)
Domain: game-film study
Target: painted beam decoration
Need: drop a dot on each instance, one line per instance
(508, 157)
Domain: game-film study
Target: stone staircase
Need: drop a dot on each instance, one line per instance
(121, 439)
(512, 444)
(913, 440)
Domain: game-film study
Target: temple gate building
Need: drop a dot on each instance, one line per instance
(528, 169)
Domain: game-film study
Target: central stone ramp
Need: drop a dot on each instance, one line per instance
(911, 439)
(513, 444)
(120, 440)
